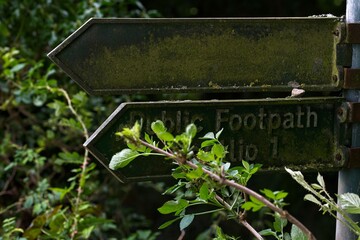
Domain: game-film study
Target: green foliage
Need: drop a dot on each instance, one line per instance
(348, 203)
(196, 172)
(44, 170)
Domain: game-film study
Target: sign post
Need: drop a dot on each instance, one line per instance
(349, 179)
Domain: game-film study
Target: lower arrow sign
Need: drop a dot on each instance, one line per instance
(302, 134)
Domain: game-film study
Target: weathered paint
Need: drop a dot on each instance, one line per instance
(298, 133)
(112, 56)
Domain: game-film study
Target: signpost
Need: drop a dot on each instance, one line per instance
(302, 134)
(316, 54)
(116, 56)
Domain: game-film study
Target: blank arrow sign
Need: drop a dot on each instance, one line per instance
(115, 56)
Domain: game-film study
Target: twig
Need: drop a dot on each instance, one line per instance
(215, 177)
(240, 219)
(182, 235)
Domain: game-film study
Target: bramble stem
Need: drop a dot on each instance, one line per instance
(224, 181)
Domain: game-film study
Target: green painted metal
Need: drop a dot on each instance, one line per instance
(302, 134)
(115, 56)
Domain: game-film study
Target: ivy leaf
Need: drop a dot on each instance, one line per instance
(123, 158)
(186, 221)
(173, 206)
(350, 202)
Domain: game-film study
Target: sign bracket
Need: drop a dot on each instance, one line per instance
(351, 75)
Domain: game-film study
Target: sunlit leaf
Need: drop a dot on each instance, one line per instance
(173, 206)
(191, 130)
(312, 198)
(350, 202)
(123, 158)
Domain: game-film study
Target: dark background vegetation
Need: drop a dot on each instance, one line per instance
(40, 149)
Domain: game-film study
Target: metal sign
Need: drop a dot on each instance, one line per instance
(298, 133)
(115, 56)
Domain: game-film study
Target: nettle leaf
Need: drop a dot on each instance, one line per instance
(123, 158)
(350, 202)
(173, 206)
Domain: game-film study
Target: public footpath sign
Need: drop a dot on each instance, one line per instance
(116, 56)
(273, 55)
(302, 134)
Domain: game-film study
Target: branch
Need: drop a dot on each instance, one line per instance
(224, 181)
(240, 219)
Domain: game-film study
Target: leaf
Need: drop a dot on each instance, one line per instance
(208, 143)
(186, 221)
(312, 198)
(279, 223)
(205, 156)
(173, 206)
(218, 133)
(246, 165)
(218, 150)
(297, 234)
(123, 158)
(320, 180)
(268, 232)
(281, 195)
(191, 130)
(158, 127)
(195, 173)
(165, 136)
(350, 202)
(204, 192)
(209, 135)
(168, 223)
(268, 193)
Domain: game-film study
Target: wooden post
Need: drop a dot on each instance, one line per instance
(349, 179)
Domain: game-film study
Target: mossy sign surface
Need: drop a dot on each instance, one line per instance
(114, 56)
(298, 133)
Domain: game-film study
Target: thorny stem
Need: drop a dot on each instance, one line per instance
(240, 219)
(85, 161)
(221, 180)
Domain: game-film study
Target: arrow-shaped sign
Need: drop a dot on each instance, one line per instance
(298, 133)
(115, 56)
